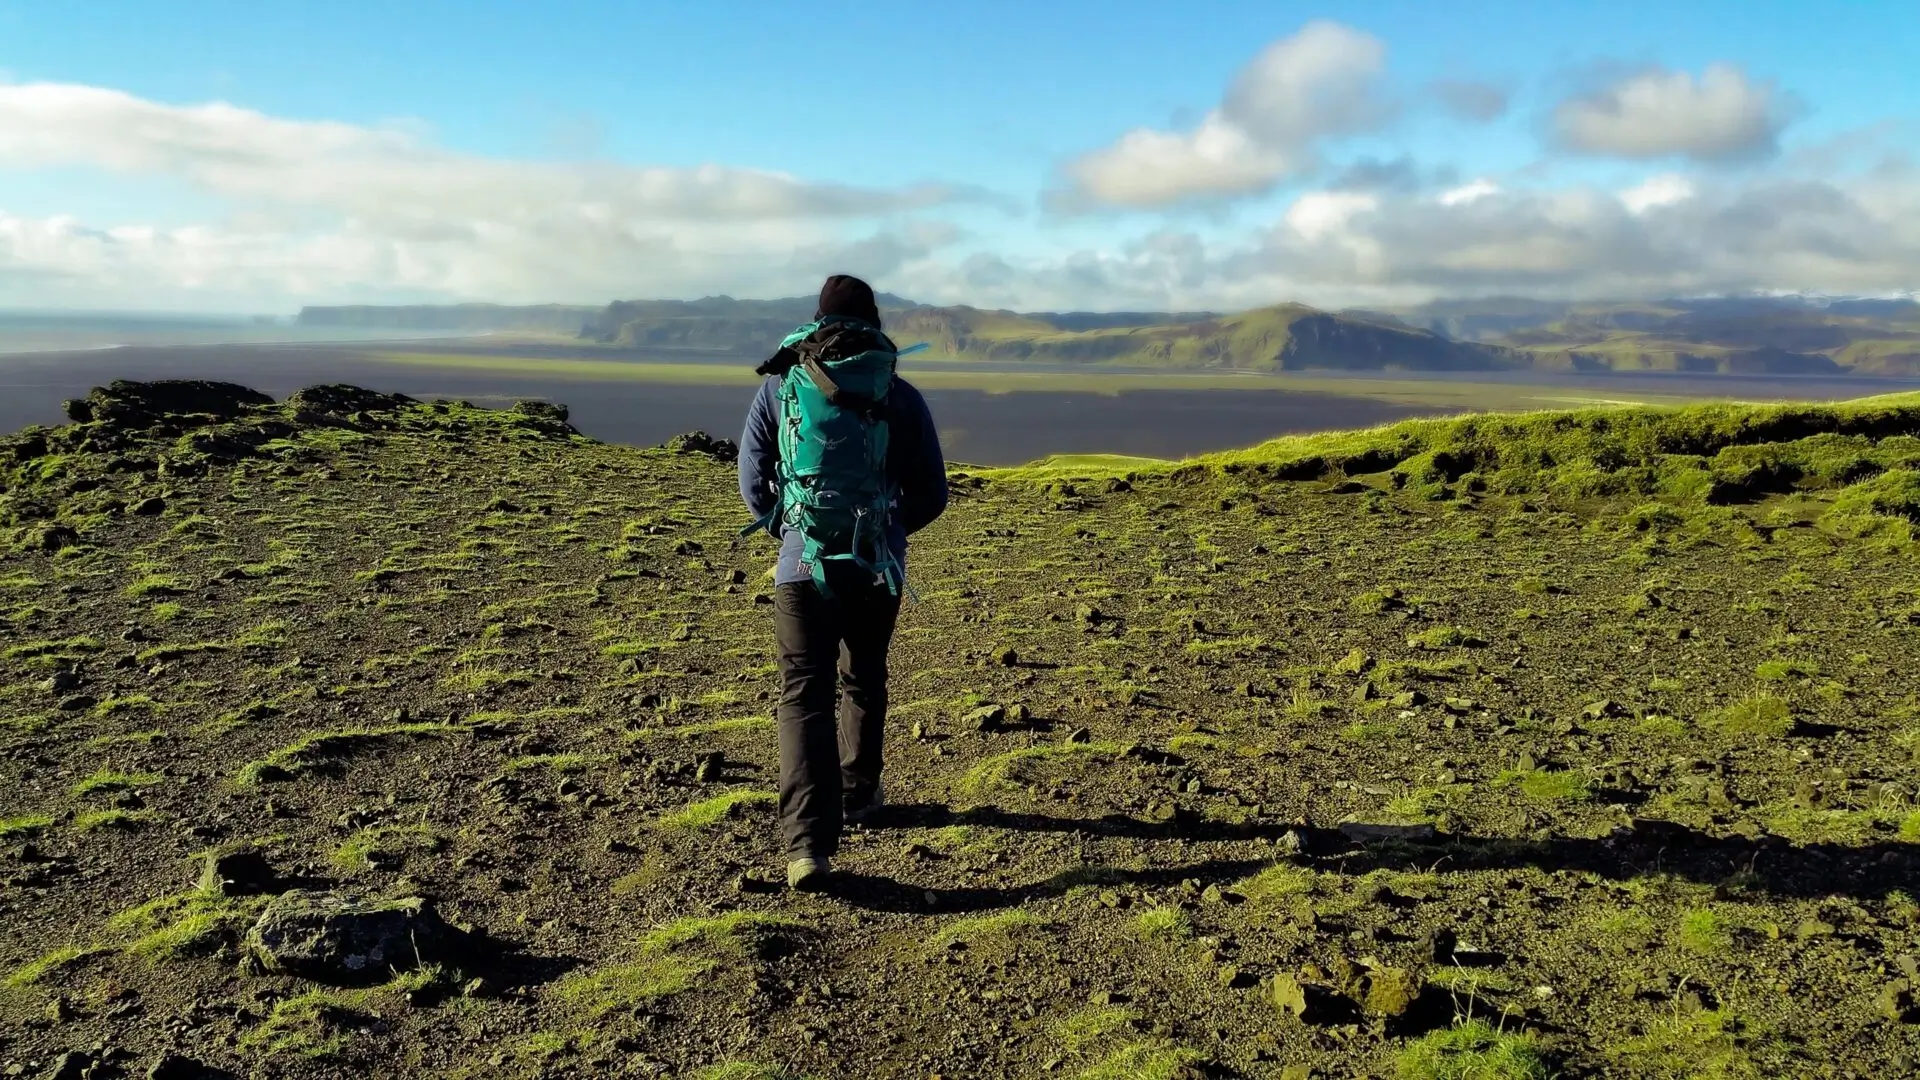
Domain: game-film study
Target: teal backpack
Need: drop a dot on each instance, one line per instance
(835, 374)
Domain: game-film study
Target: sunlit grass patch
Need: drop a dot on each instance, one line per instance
(108, 780)
(1547, 785)
(1165, 923)
(710, 727)
(1025, 765)
(976, 930)
(1759, 717)
(563, 763)
(369, 848)
(24, 825)
(710, 812)
(308, 751)
(1473, 1050)
(670, 960)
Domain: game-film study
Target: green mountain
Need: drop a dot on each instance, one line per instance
(1285, 337)
(1784, 335)
(474, 318)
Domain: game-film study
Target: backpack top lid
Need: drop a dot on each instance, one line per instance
(847, 360)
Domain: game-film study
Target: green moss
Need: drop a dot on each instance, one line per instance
(1154, 1059)
(1026, 765)
(34, 971)
(24, 825)
(975, 930)
(1473, 1050)
(1703, 931)
(669, 960)
(1165, 923)
(1277, 883)
(701, 730)
(710, 812)
(1089, 1026)
(365, 848)
(1759, 717)
(93, 820)
(107, 780)
(1547, 785)
(1709, 1044)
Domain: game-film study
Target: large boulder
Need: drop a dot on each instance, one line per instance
(349, 938)
(699, 442)
(137, 405)
(342, 400)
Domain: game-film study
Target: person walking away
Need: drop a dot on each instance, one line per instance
(840, 463)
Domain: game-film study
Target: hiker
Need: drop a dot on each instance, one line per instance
(840, 463)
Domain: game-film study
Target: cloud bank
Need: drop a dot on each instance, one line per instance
(322, 211)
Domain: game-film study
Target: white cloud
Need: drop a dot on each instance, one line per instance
(1657, 191)
(1857, 234)
(1719, 116)
(319, 208)
(1317, 214)
(1468, 192)
(1319, 83)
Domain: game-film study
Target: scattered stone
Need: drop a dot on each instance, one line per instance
(1390, 992)
(985, 718)
(148, 507)
(71, 1065)
(699, 442)
(333, 937)
(237, 873)
(1896, 1002)
(175, 1067)
(1298, 1000)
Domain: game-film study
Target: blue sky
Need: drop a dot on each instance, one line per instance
(997, 142)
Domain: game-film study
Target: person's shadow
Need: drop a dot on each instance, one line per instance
(1762, 866)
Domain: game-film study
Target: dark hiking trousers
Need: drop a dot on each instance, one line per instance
(832, 652)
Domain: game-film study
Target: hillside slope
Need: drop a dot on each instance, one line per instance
(471, 318)
(1284, 338)
(1571, 744)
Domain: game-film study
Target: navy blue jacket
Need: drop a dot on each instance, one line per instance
(914, 463)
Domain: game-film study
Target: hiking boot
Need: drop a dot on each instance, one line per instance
(857, 810)
(807, 875)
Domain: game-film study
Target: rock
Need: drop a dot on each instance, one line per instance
(77, 703)
(710, 767)
(71, 1065)
(1440, 944)
(550, 410)
(342, 400)
(1390, 992)
(1408, 699)
(699, 442)
(128, 405)
(1364, 831)
(1356, 662)
(349, 938)
(60, 1010)
(1297, 999)
(175, 1067)
(1079, 735)
(152, 506)
(236, 873)
(1896, 1002)
(985, 718)
(1008, 658)
(61, 682)
(52, 538)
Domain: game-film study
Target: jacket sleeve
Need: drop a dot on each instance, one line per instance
(922, 468)
(760, 452)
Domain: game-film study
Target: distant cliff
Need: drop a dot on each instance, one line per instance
(471, 318)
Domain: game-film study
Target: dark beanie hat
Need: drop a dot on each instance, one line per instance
(849, 297)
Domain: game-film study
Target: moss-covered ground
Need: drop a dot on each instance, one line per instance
(1575, 744)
